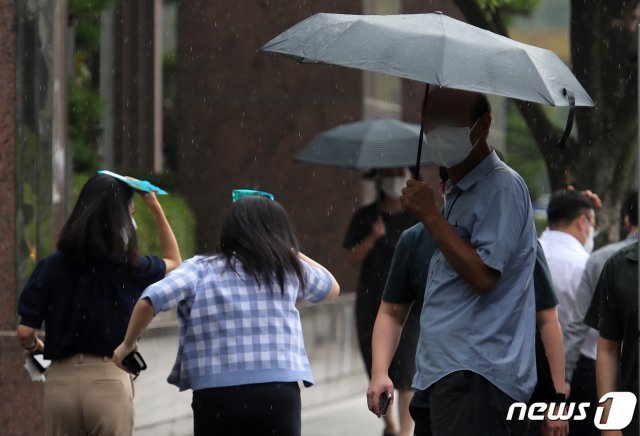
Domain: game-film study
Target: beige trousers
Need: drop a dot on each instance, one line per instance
(87, 395)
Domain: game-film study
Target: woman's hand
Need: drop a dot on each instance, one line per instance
(378, 229)
(150, 200)
(38, 348)
(120, 353)
(140, 318)
(357, 254)
(29, 341)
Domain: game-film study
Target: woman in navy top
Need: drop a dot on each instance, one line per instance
(241, 348)
(85, 293)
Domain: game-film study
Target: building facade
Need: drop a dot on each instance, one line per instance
(242, 116)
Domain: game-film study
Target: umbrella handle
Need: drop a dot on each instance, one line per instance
(570, 117)
(416, 170)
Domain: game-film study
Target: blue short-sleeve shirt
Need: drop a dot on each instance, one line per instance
(492, 335)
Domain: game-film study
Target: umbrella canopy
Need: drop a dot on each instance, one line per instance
(374, 143)
(435, 49)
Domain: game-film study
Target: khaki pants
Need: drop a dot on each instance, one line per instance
(87, 395)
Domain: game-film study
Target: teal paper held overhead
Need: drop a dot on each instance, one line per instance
(140, 185)
(237, 194)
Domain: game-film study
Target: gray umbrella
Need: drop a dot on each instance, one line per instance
(374, 143)
(435, 49)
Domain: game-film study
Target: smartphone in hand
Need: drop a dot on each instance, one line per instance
(134, 363)
(385, 400)
(40, 363)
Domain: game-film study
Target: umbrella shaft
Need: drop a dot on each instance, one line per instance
(416, 170)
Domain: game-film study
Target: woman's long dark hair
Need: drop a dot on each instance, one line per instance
(257, 232)
(99, 221)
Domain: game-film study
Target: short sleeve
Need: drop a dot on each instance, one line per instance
(179, 285)
(546, 297)
(609, 319)
(33, 301)
(589, 279)
(592, 317)
(398, 286)
(148, 270)
(359, 227)
(589, 286)
(576, 329)
(576, 279)
(318, 283)
(497, 232)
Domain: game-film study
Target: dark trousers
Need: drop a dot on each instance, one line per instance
(419, 411)
(583, 390)
(464, 403)
(255, 409)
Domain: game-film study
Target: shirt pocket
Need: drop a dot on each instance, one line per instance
(441, 269)
(462, 231)
(448, 270)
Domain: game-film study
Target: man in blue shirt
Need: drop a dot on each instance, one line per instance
(476, 354)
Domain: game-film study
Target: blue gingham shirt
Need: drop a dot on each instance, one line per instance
(232, 331)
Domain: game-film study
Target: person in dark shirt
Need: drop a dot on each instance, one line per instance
(614, 313)
(85, 293)
(370, 242)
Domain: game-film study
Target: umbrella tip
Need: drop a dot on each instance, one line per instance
(438, 12)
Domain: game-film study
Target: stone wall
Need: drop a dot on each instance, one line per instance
(21, 399)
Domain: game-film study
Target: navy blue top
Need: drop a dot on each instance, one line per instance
(86, 308)
(408, 273)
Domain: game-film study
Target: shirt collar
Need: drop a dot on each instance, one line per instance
(633, 254)
(479, 171)
(564, 239)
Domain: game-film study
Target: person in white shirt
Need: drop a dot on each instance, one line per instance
(567, 244)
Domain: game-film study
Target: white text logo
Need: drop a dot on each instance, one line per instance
(620, 414)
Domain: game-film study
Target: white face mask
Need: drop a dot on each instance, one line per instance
(125, 234)
(590, 241)
(449, 146)
(393, 186)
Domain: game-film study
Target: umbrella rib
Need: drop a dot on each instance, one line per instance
(525, 48)
(335, 41)
(549, 96)
(444, 50)
(364, 137)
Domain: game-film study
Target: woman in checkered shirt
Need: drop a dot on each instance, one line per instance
(241, 348)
